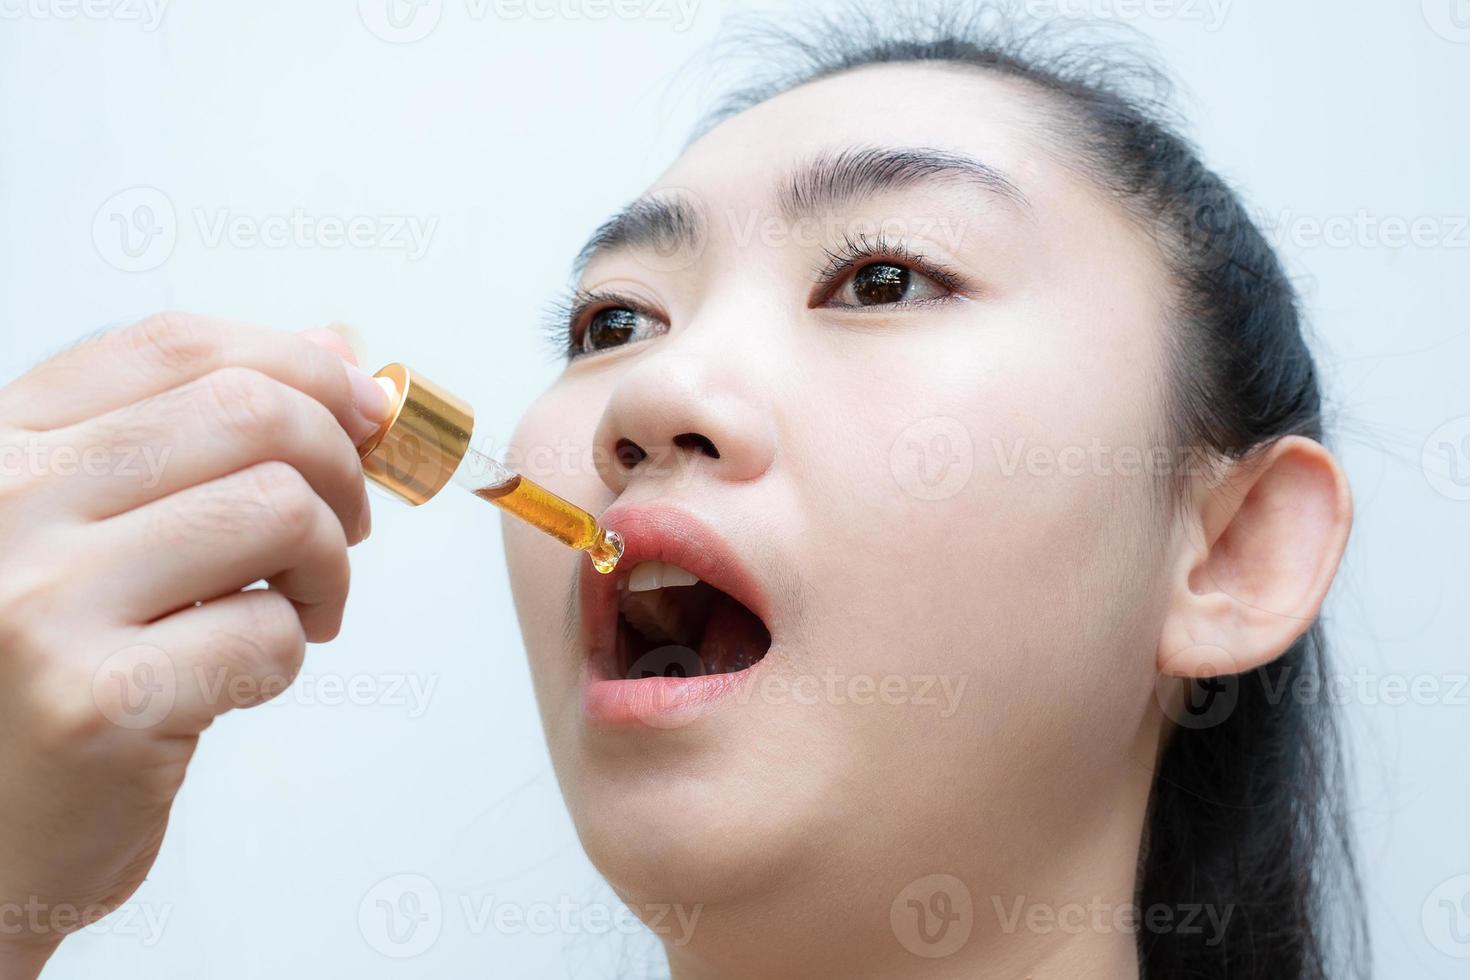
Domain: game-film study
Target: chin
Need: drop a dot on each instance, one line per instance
(707, 832)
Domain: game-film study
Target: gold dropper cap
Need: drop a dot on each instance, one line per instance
(416, 451)
(425, 444)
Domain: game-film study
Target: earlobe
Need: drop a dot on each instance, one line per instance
(1251, 579)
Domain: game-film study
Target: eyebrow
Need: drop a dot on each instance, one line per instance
(831, 181)
(671, 222)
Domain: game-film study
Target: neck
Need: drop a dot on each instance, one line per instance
(1056, 902)
(1067, 915)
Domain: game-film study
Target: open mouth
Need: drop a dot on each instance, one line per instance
(682, 604)
(672, 624)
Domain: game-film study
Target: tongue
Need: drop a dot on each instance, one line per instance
(668, 615)
(734, 637)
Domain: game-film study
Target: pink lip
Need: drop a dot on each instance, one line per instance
(657, 533)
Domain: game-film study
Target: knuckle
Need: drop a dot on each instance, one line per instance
(29, 599)
(273, 616)
(246, 403)
(68, 706)
(66, 718)
(286, 498)
(254, 667)
(320, 369)
(269, 498)
(172, 340)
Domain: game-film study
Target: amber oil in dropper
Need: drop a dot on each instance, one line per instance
(425, 445)
(569, 524)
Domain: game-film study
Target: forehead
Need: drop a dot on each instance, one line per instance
(968, 111)
(821, 148)
(1070, 240)
(749, 164)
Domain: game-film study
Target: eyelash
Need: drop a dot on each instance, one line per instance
(570, 316)
(855, 253)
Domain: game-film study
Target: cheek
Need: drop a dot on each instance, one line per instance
(965, 504)
(552, 445)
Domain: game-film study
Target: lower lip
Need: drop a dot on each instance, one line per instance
(657, 702)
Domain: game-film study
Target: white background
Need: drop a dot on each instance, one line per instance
(514, 136)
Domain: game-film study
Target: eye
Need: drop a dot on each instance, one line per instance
(885, 283)
(864, 272)
(609, 327)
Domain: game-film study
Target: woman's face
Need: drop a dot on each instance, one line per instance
(888, 371)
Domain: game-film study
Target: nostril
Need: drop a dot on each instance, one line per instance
(693, 440)
(629, 454)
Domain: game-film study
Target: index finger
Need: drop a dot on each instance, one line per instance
(121, 367)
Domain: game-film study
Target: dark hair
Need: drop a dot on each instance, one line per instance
(1247, 813)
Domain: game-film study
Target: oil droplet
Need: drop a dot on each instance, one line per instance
(606, 550)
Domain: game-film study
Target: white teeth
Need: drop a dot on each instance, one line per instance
(674, 575)
(649, 575)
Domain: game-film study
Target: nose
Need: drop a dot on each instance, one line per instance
(685, 411)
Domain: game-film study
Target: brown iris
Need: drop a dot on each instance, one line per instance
(880, 283)
(609, 328)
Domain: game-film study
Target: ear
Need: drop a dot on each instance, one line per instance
(1264, 544)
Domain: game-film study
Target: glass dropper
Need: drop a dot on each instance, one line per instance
(425, 444)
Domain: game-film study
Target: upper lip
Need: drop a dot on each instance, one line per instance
(659, 532)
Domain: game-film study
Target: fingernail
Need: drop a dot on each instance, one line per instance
(369, 403)
(370, 398)
(365, 524)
